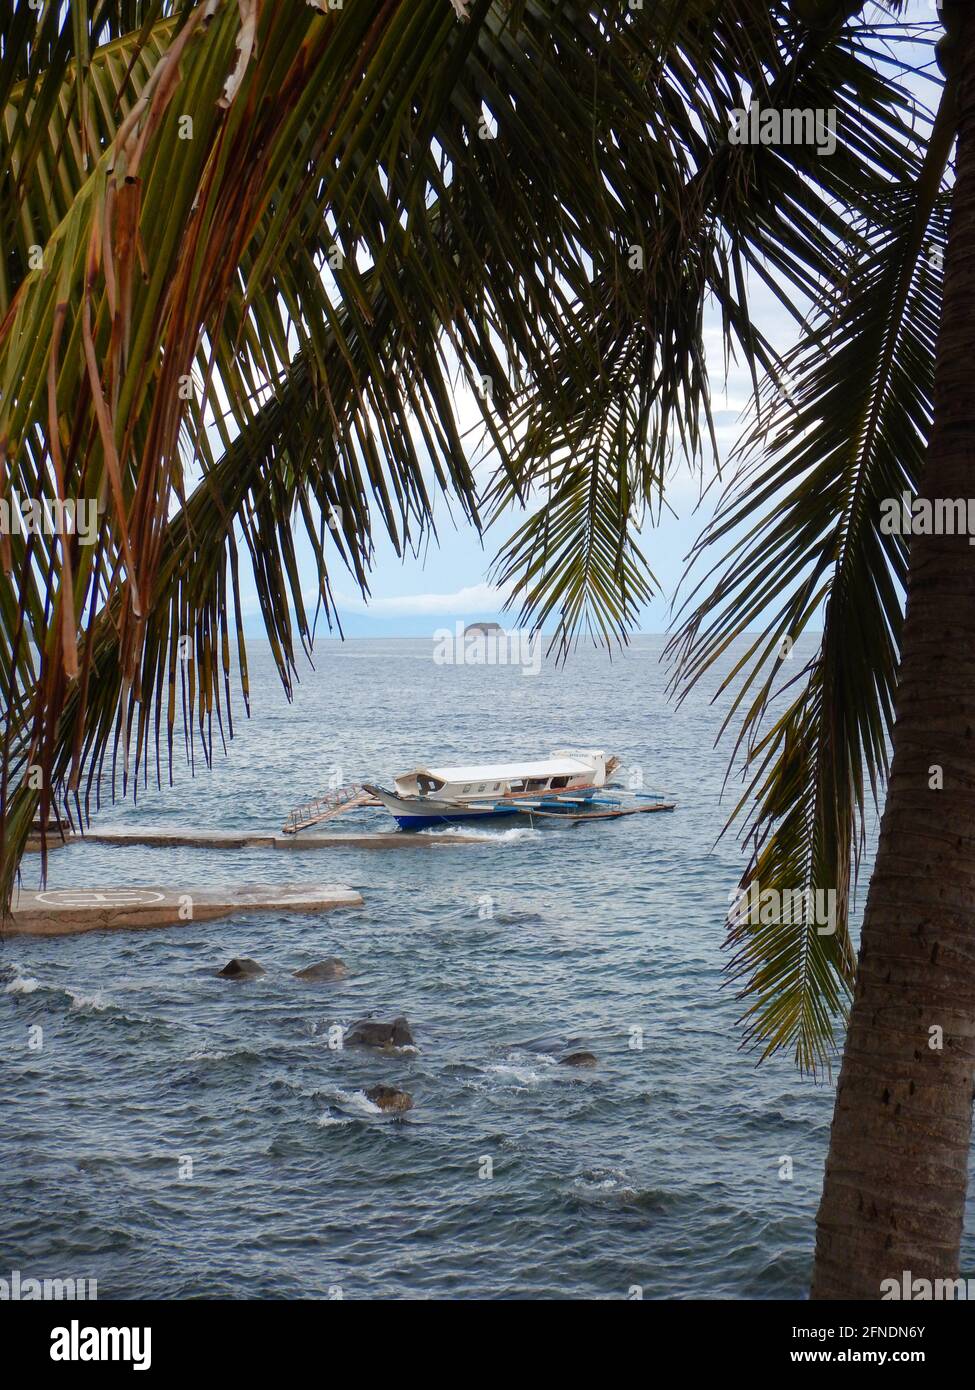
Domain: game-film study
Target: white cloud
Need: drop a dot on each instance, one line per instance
(478, 598)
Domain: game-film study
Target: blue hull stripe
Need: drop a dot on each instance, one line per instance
(423, 822)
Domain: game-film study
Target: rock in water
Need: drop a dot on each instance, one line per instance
(329, 969)
(389, 1098)
(242, 968)
(371, 1032)
(578, 1059)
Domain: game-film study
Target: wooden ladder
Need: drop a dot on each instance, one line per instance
(323, 808)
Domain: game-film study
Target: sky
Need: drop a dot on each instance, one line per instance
(449, 581)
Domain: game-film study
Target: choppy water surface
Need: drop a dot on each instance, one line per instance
(660, 1169)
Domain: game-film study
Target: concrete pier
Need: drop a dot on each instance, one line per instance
(68, 911)
(256, 839)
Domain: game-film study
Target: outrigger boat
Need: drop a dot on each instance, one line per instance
(571, 784)
(566, 781)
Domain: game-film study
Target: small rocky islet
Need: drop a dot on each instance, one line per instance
(244, 968)
(579, 1059)
(329, 969)
(373, 1032)
(241, 968)
(390, 1098)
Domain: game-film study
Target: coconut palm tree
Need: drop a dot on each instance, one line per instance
(904, 1096)
(875, 408)
(250, 254)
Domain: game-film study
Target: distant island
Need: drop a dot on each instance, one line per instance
(483, 630)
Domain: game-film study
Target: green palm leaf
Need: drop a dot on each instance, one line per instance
(799, 529)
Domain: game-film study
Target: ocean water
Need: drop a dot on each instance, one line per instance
(513, 1177)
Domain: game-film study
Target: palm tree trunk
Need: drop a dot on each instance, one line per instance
(894, 1193)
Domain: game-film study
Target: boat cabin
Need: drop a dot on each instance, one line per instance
(563, 771)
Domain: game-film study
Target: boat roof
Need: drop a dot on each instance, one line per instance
(503, 772)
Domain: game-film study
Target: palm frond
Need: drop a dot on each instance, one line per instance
(773, 213)
(188, 288)
(846, 428)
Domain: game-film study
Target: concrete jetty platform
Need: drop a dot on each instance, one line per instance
(247, 839)
(68, 911)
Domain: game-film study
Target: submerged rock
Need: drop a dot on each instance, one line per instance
(389, 1098)
(371, 1032)
(242, 968)
(578, 1059)
(329, 969)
